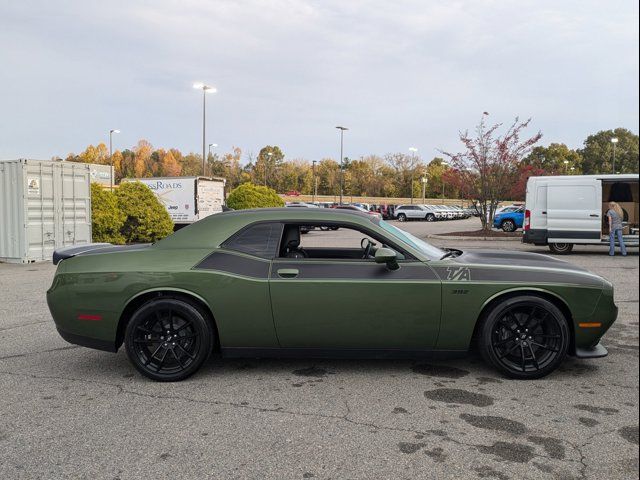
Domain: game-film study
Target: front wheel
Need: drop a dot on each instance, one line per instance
(402, 217)
(508, 226)
(561, 248)
(168, 339)
(524, 337)
(431, 217)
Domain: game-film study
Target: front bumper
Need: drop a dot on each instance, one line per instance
(597, 351)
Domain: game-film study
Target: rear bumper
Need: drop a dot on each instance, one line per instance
(535, 236)
(88, 342)
(597, 351)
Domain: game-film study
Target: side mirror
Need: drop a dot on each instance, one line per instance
(388, 256)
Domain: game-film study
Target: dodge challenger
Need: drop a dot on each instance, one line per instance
(247, 284)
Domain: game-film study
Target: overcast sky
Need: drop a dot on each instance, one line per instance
(397, 73)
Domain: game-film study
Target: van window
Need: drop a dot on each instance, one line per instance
(574, 197)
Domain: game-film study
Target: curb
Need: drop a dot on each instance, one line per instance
(482, 239)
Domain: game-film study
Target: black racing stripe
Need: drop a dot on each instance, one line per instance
(355, 271)
(574, 235)
(237, 264)
(475, 274)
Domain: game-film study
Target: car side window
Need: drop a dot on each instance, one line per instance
(260, 240)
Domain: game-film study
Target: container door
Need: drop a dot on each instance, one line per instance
(40, 210)
(574, 211)
(75, 212)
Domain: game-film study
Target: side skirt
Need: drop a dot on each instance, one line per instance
(338, 353)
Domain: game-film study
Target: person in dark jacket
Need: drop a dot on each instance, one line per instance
(615, 216)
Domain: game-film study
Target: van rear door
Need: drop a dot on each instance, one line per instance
(574, 210)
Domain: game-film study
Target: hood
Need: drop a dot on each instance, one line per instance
(516, 267)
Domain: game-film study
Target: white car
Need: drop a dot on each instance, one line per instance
(414, 212)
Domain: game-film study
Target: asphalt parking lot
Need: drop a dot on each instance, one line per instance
(71, 412)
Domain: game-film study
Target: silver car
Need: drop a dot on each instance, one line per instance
(414, 212)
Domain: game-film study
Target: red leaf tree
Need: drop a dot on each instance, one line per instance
(489, 163)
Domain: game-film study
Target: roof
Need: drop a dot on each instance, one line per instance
(604, 176)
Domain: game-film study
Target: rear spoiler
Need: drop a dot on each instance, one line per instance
(68, 252)
(91, 248)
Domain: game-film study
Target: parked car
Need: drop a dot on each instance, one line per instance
(509, 220)
(357, 209)
(242, 284)
(414, 212)
(562, 211)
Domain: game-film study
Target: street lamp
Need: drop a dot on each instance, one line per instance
(443, 164)
(315, 181)
(342, 129)
(566, 166)
(413, 151)
(614, 140)
(111, 132)
(269, 154)
(424, 189)
(205, 89)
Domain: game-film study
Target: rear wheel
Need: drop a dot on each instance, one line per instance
(431, 217)
(402, 217)
(561, 248)
(168, 339)
(524, 337)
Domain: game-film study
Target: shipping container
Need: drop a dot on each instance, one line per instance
(44, 205)
(187, 199)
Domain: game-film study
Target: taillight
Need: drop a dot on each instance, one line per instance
(527, 219)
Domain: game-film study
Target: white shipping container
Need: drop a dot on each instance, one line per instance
(44, 205)
(187, 199)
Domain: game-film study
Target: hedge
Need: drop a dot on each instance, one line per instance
(146, 219)
(249, 195)
(106, 217)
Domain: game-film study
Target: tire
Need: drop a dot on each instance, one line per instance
(168, 339)
(561, 248)
(430, 217)
(508, 226)
(402, 217)
(524, 337)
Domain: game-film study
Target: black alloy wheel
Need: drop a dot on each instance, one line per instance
(508, 226)
(168, 339)
(525, 337)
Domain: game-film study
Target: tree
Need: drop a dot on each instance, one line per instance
(556, 159)
(106, 217)
(525, 171)
(249, 195)
(169, 166)
(146, 219)
(597, 153)
(267, 164)
(489, 161)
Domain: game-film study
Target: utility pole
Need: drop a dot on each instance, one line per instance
(111, 132)
(342, 129)
(315, 182)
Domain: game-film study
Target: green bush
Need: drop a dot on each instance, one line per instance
(249, 195)
(106, 217)
(146, 219)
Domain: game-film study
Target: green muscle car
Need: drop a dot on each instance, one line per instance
(247, 284)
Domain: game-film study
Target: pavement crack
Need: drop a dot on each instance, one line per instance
(28, 354)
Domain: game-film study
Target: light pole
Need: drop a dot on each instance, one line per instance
(315, 182)
(342, 129)
(424, 189)
(413, 151)
(566, 167)
(205, 89)
(269, 155)
(111, 132)
(443, 164)
(614, 140)
(214, 145)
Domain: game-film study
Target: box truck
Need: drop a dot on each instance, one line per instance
(44, 205)
(564, 211)
(187, 199)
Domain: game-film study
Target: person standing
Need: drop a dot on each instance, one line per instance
(615, 216)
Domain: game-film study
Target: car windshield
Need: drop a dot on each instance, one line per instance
(429, 250)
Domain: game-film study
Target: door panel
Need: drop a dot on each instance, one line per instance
(354, 304)
(574, 211)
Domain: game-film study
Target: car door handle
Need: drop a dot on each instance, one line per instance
(288, 272)
(594, 215)
(544, 213)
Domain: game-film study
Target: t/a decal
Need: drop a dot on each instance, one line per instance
(460, 274)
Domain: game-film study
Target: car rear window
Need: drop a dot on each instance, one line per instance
(260, 240)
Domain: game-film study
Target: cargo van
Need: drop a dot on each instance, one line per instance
(564, 211)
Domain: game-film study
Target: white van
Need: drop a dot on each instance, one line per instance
(563, 211)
